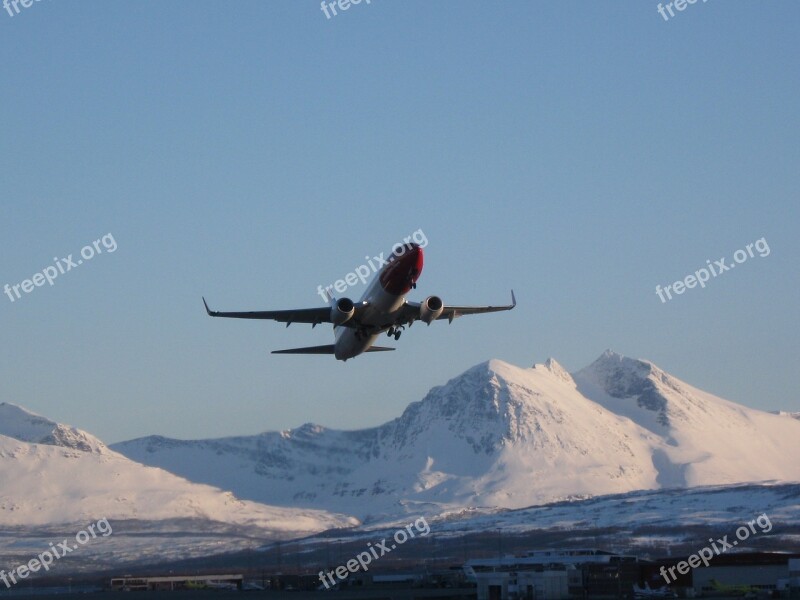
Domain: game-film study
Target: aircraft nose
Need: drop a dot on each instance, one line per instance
(413, 252)
(405, 266)
(411, 259)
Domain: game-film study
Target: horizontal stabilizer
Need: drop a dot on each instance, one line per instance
(327, 349)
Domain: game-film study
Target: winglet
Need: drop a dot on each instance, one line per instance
(208, 310)
(513, 299)
(331, 297)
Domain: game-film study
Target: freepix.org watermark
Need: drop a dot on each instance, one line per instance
(343, 5)
(680, 5)
(363, 559)
(15, 4)
(362, 272)
(61, 267)
(720, 546)
(718, 267)
(54, 552)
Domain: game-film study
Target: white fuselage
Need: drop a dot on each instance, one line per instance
(379, 304)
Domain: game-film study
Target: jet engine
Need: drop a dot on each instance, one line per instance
(431, 309)
(342, 311)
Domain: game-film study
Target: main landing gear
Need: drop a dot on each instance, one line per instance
(395, 331)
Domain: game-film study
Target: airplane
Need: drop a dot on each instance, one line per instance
(734, 589)
(647, 592)
(382, 308)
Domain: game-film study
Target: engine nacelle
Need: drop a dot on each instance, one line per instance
(431, 309)
(342, 311)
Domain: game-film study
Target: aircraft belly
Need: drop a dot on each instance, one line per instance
(348, 345)
(381, 304)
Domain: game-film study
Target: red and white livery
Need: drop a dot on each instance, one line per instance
(382, 309)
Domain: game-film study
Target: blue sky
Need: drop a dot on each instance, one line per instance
(581, 153)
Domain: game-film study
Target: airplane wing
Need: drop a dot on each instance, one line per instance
(314, 316)
(411, 310)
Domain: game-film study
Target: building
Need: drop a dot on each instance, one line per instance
(552, 574)
(129, 583)
(792, 583)
(738, 573)
(522, 585)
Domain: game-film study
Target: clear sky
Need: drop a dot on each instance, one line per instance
(581, 153)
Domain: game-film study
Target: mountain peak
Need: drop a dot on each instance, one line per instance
(496, 365)
(609, 357)
(506, 436)
(552, 365)
(619, 375)
(8, 409)
(21, 424)
(305, 431)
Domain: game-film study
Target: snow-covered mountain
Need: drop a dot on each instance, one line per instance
(502, 436)
(650, 523)
(20, 424)
(703, 439)
(55, 474)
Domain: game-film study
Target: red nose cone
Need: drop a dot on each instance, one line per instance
(403, 270)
